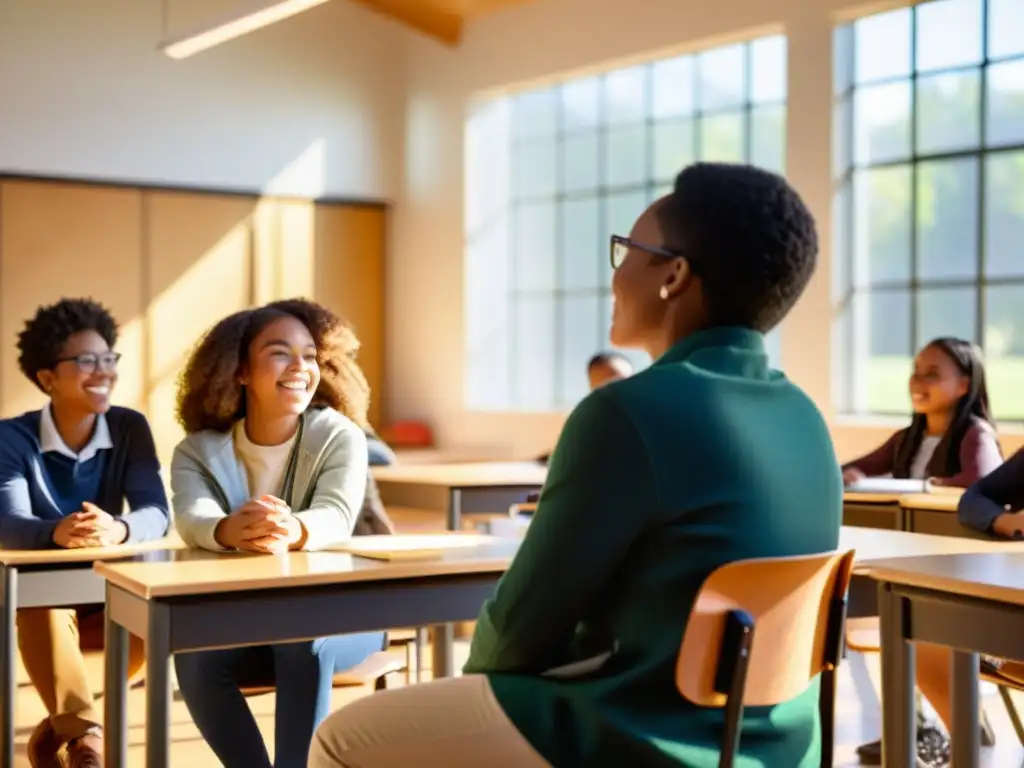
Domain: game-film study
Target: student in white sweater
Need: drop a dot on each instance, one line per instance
(274, 406)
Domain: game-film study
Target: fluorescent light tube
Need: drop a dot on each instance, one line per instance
(236, 26)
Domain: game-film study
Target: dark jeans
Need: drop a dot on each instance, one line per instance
(209, 682)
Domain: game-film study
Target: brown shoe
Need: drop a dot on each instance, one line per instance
(85, 752)
(43, 746)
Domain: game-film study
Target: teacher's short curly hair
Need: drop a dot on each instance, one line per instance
(44, 336)
(210, 395)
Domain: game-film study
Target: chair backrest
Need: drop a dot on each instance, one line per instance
(797, 605)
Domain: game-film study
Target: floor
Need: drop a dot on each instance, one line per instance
(858, 718)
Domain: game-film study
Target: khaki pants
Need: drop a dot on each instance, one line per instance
(455, 722)
(52, 641)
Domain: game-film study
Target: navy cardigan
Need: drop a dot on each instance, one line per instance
(994, 495)
(28, 512)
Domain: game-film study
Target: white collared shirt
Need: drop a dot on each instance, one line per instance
(50, 439)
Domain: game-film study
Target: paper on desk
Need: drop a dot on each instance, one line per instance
(409, 546)
(889, 485)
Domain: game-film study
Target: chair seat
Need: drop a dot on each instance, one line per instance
(375, 666)
(862, 635)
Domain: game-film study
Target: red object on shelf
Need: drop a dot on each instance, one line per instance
(408, 434)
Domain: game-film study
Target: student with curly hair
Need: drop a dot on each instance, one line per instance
(275, 459)
(66, 472)
(706, 457)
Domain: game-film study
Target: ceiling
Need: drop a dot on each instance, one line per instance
(440, 19)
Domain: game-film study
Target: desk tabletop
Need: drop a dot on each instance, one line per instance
(877, 544)
(992, 576)
(197, 572)
(945, 501)
(58, 557)
(475, 475)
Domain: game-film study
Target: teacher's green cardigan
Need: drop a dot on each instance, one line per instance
(707, 457)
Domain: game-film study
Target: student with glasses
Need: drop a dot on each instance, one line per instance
(66, 472)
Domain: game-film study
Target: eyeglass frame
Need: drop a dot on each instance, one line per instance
(81, 362)
(654, 250)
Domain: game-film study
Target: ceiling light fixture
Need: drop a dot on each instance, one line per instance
(238, 25)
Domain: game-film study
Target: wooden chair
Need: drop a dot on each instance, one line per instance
(796, 609)
(862, 636)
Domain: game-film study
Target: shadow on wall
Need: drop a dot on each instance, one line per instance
(170, 263)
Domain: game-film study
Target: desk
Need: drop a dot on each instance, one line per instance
(936, 513)
(875, 544)
(197, 600)
(47, 578)
(973, 603)
(873, 510)
(459, 488)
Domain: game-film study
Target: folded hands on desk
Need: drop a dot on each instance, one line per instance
(263, 525)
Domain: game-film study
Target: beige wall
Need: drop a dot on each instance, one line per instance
(555, 37)
(310, 106)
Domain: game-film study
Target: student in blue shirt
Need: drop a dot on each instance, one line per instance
(66, 472)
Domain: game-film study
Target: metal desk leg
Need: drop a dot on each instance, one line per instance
(115, 692)
(454, 509)
(8, 661)
(966, 730)
(443, 664)
(158, 687)
(443, 651)
(899, 721)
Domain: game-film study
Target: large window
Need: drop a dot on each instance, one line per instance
(929, 155)
(552, 172)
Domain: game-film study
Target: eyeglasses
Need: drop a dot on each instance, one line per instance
(89, 362)
(620, 247)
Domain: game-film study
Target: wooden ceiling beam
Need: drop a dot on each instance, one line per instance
(422, 15)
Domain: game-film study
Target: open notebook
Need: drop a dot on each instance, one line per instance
(424, 546)
(889, 485)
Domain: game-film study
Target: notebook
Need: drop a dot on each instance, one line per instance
(423, 546)
(889, 485)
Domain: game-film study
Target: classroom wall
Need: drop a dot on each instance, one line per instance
(536, 41)
(311, 106)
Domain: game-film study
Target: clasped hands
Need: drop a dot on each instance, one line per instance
(91, 527)
(263, 525)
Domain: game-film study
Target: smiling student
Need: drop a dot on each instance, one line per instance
(951, 439)
(66, 472)
(274, 406)
(635, 516)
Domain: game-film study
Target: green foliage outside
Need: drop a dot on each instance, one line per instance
(886, 385)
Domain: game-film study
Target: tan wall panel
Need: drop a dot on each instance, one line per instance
(199, 271)
(64, 240)
(285, 250)
(350, 280)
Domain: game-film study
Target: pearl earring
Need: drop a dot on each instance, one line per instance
(663, 293)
